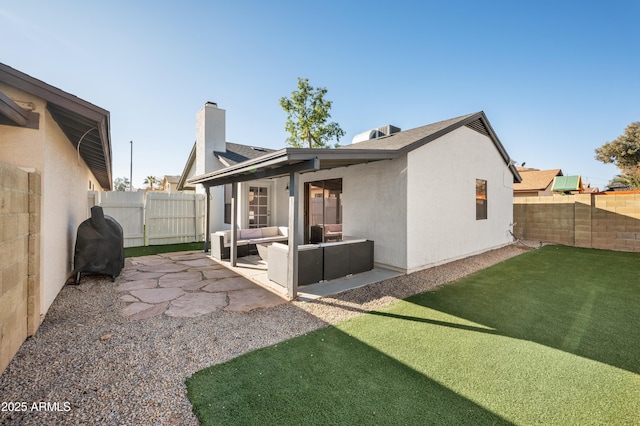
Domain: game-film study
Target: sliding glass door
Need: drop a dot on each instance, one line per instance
(323, 211)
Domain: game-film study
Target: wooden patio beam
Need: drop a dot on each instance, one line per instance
(17, 115)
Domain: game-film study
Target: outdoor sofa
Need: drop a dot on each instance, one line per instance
(320, 262)
(247, 240)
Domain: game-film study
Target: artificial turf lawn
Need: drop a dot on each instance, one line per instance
(548, 337)
(165, 248)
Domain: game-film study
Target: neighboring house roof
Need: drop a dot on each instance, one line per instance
(567, 183)
(284, 161)
(617, 186)
(236, 153)
(535, 180)
(81, 121)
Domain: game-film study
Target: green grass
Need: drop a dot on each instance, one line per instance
(548, 337)
(166, 248)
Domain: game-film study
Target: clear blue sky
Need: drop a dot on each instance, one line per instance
(556, 79)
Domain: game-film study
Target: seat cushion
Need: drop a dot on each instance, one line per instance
(270, 231)
(250, 234)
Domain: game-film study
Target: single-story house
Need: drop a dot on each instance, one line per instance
(388, 190)
(170, 183)
(64, 142)
(535, 182)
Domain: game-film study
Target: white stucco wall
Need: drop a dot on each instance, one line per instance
(441, 212)
(280, 202)
(65, 183)
(210, 138)
(372, 198)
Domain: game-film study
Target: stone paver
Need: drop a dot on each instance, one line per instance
(180, 279)
(135, 308)
(181, 256)
(137, 285)
(129, 298)
(155, 310)
(251, 298)
(134, 275)
(149, 260)
(163, 267)
(197, 262)
(184, 285)
(196, 304)
(158, 295)
(229, 284)
(219, 273)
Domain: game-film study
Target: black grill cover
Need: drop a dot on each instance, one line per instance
(99, 246)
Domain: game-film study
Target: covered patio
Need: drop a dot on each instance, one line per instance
(254, 268)
(291, 163)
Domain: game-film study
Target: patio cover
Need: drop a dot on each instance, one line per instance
(291, 162)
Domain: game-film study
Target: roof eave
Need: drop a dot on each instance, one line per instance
(286, 158)
(182, 183)
(93, 116)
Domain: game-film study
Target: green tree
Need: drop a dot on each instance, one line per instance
(121, 184)
(151, 181)
(630, 178)
(624, 151)
(307, 117)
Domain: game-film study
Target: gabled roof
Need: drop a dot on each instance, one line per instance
(284, 161)
(236, 153)
(535, 180)
(406, 140)
(81, 121)
(171, 178)
(411, 139)
(567, 183)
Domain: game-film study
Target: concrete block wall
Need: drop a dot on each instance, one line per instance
(19, 258)
(609, 221)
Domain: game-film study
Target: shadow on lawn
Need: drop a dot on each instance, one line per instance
(327, 377)
(581, 301)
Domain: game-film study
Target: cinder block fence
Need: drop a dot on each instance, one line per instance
(20, 197)
(609, 221)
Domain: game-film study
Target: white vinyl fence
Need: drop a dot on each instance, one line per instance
(155, 217)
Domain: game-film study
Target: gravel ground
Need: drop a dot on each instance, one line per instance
(87, 364)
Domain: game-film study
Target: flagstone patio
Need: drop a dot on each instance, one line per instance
(187, 284)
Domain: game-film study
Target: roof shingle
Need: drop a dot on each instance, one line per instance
(536, 180)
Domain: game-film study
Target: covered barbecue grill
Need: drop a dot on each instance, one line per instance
(99, 246)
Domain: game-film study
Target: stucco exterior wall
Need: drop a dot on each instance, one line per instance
(373, 196)
(65, 182)
(19, 146)
(441, 210)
